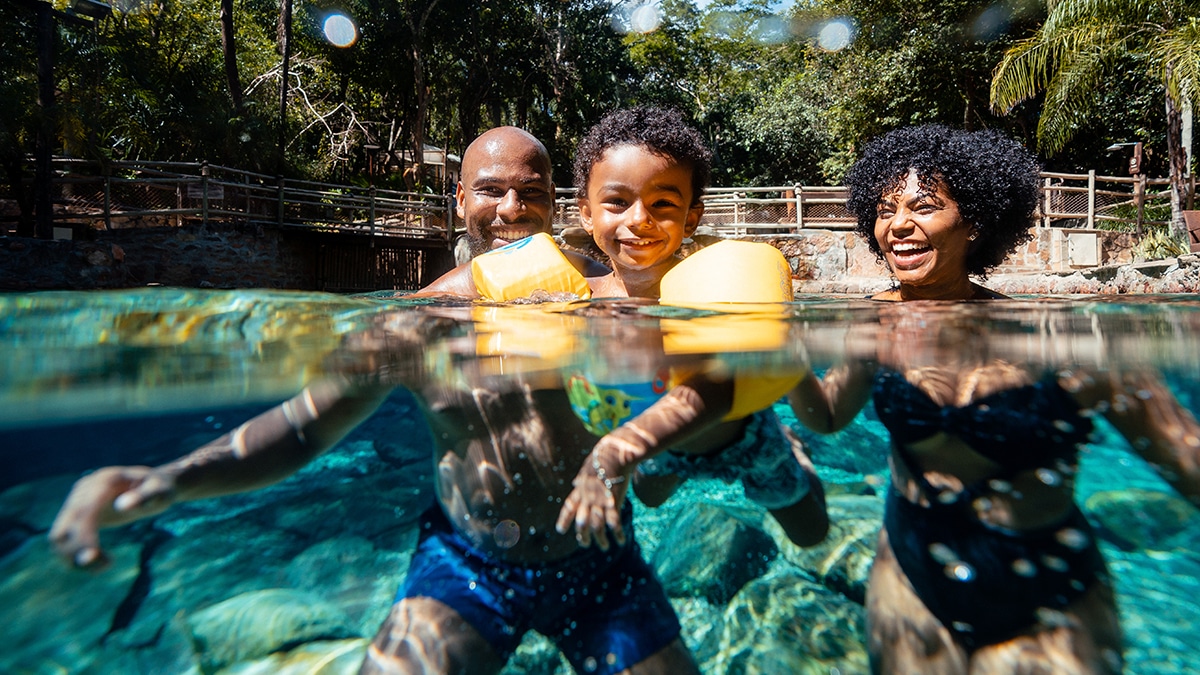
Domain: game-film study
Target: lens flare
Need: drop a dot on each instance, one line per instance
(836, 34)
(340, 30)
(645, 19)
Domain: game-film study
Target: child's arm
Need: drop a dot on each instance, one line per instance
(601, 484)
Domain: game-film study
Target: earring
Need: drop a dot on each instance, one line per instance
(973, 237)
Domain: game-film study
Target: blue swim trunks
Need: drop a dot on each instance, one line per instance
(762, 459)
(605, 610)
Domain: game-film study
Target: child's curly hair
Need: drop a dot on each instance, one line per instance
(662, 131)
(992, 178)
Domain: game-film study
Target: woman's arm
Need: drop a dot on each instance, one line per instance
(829, 403)
(1145, 411)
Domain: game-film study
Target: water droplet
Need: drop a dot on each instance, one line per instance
(610, 659)
(507, 533)
(1049, 476)
(947, 497)
(1051, 617)
(1023, 568)
(590, 665)
(1055, 563)
(1072, 538)
(471, 585)
(1144, 394)
(942, 553)
(963, 627)
(209, 419)
(1064, 426)
(510, 593)
(1001, 486)
(960, 571)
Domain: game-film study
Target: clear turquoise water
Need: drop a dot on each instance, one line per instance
(91, 379)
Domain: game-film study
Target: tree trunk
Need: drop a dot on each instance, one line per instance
(1177, 160)
(284, 35)
(229, 49)
(424, 95)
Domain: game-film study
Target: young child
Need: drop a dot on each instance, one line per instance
(640, 173)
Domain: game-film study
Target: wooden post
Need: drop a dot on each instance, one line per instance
(799, 193)
(107, 196)
(1140, 199)
(1091, 202)
(1046, 203)
(204, 194)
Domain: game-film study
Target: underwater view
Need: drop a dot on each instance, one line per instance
(298, 576)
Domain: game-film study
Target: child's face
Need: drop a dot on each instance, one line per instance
(639, 207)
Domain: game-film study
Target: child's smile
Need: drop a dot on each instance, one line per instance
(639, 207)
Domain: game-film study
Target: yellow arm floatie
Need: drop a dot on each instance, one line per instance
(524, 266)
(751, 276)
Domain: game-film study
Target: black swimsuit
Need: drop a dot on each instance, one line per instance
(984, 584)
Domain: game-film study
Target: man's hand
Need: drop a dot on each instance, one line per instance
(111, 496)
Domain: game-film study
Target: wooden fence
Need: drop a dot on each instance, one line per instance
(139, 194)
(160, 194)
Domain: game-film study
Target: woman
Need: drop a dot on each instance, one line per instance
(984, 564)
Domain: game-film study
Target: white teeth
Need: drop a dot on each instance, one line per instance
(906, 248)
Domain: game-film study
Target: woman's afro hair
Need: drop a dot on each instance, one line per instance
(662, 131)
(992, 178)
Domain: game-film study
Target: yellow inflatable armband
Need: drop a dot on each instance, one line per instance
(518, 269)
(729, 271)
(514, 338)
(743, 280)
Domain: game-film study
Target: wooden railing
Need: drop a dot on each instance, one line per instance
(148, 194)
(140, 194)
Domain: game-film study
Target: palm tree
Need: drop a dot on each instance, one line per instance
(1082, 43)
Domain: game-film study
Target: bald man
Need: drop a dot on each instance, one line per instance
(506, 193)
(489, 564)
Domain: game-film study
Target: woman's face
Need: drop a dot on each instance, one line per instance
(924, 239)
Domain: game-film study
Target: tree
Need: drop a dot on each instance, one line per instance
(1082, 44)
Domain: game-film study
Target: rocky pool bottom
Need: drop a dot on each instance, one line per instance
(297, 577)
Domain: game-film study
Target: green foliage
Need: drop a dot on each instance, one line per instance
(777, 106)
(1158, 243)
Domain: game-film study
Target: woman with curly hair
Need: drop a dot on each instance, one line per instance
(985, 564)
(938, 205)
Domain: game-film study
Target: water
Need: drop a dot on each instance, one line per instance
(142, 377)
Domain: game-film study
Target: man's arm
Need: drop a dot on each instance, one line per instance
(264, 450)
(457, 282)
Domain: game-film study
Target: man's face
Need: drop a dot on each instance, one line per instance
(506, 193)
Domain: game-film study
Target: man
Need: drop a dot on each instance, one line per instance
(489, 564)
(506, 193)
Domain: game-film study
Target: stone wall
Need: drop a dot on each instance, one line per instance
(216, 256)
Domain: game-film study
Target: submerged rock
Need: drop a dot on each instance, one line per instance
(785, 623)
(324, 657)
(255, 624)
(1136, 519)
(711, 551)
(843, 561)
(55, 617)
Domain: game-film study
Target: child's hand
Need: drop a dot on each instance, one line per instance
(594, 505)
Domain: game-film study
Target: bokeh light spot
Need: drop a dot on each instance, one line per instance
(836, 34)
(340, 30)
(645, 19)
